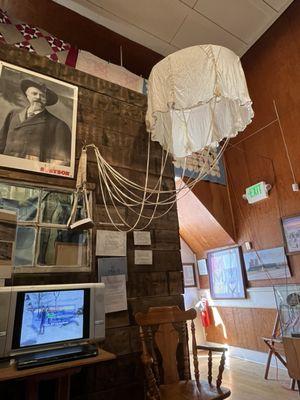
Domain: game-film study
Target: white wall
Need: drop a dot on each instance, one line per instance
(257, 297)
(191, 295)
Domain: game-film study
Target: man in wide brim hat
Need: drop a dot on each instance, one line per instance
(34, 133)
(51, 97)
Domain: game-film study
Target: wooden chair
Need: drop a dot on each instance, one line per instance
(272, 343)
(162, 331)
(292, 352)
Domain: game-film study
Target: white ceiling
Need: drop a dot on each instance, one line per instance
(168, 25)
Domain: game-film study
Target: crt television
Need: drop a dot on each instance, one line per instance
(34, 318)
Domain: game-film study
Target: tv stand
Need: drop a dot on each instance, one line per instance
(54, 356)
(61, 372)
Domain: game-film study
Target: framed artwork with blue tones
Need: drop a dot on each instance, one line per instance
(226, 272)
(266, 264)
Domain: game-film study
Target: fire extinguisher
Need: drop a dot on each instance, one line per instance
(203, 307)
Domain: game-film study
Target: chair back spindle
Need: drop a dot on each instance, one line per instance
(152, 392)
(221, 370)
(153, 353)
(185, 352)
(195, 356)
(209, 375)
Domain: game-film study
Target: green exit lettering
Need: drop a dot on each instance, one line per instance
(255, 190)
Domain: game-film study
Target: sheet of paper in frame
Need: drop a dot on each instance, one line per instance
(202, 267)
(112, 266)
(111, 243)
(115, 293)
(142, 238)
(188, 275)
(143, 257)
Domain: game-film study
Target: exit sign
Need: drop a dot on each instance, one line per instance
(257, 192)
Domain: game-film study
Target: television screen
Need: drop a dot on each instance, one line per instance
(51, 316)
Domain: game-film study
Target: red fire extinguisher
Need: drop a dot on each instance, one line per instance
(204, 310)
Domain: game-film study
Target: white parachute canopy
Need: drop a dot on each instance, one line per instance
(197, 97)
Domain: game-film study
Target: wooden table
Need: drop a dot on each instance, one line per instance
(61, 372)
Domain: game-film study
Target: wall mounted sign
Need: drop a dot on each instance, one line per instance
(111, 243)
(112, 266)
(115, 293)
(257, 192)
(143, 257)
(141, 238)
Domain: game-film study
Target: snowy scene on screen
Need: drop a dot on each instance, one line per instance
(52, 317)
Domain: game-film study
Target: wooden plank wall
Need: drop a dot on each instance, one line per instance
(112, 117)
(272, 72)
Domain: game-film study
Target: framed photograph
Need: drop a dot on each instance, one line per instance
(202, 267)
(226, 273)
(266, 264)
(37, 122)
(291, 233)
(189, 278)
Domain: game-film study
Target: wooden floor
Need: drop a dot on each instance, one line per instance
(246, 382)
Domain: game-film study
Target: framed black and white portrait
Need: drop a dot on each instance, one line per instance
(37, 122)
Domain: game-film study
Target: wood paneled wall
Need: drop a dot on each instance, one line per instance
(241, 327)
(83, 33)
(272, 71)
(206, 220)
(199, 225)
(272, 74)
(112, 118)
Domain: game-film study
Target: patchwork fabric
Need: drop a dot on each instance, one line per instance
(36, 40)
(4, 18)
(25, 45)
(29, 32)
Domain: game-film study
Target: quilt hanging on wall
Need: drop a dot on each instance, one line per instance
(36, 40)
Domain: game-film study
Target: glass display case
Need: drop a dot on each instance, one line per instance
(288, 306)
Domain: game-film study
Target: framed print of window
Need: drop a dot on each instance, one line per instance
(43, 242)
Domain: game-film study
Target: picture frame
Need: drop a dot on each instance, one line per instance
(291, 233)
(202, 267)
(226, 271)
(38, 116)
(189, 277)
(266, 264)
